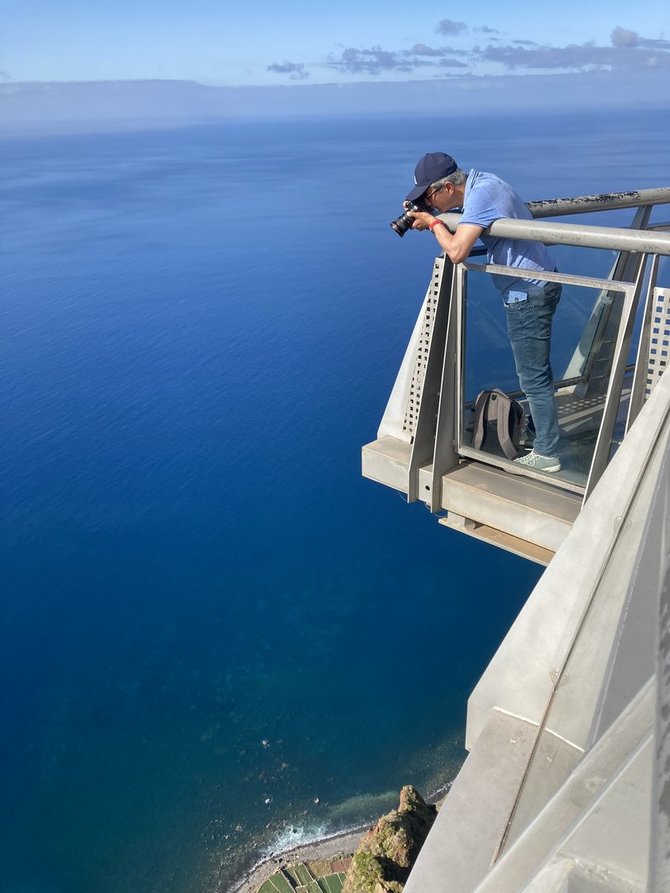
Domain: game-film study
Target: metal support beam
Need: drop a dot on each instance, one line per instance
(445, 453)
(424, 435)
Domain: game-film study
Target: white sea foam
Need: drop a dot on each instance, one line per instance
(289, 839)
(296, 835)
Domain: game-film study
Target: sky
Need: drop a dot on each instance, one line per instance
(258, 42)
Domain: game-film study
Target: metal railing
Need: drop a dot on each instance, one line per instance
(636, 246)
(421, 437)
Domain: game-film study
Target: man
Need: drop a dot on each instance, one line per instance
(530, 304)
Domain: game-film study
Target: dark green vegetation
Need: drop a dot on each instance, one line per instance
(385, 856)
(304, 878)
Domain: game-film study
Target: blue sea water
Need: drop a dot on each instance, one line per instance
(217, 637)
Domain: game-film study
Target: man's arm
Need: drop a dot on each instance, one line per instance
(456, 246)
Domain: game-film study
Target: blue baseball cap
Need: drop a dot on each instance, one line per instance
(431, 168)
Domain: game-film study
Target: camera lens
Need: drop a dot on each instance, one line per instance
(401, 224)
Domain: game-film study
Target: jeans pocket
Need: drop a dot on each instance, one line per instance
(516, 297)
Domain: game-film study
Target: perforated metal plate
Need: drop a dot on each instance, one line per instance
(419, 374)
(659, 340)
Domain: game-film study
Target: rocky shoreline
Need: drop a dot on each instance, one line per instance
(341, 844)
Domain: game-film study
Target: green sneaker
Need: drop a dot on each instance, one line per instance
(539, 463)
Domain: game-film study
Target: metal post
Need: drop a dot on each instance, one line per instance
(445, 455)
(640, 375)
(601, 453)
(424, 435)
(659, 857)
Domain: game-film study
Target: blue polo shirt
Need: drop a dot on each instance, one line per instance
(488, 198)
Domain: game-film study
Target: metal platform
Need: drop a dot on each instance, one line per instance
(611, 358)
(523, 515)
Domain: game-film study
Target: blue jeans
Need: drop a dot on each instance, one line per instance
(529, 330)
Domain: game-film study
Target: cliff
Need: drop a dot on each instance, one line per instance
(384, 857)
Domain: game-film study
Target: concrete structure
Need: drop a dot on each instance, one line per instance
(566, 786)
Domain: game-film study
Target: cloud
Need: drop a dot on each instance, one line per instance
(420, 49)
(622, 37)
(447, 26)
(378, 60)
(453, 63)
(627, 51)
(579, 57)
(295, 70)
(372, 61)
(484, 29)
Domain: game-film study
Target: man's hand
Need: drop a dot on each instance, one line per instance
(456, 245)
(422, 219)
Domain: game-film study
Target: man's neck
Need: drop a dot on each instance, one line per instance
(459, 196)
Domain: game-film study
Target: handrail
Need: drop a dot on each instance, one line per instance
(580, 235)
(581, 204)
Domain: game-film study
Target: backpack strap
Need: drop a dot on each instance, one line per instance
(479, 424)
(509, 420)
(504, 411)
(497, 406)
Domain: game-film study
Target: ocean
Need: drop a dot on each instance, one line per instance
(218, 639)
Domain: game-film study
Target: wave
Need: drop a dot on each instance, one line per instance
(289, 842)
(294, 836)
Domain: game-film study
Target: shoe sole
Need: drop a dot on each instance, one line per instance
(519, 469)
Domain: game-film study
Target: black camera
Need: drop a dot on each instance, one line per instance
(401, 224)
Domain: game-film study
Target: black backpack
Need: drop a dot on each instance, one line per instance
(497, 415)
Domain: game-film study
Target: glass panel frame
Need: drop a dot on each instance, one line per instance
(628, 293)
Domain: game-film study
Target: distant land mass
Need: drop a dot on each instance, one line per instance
(40, 107)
